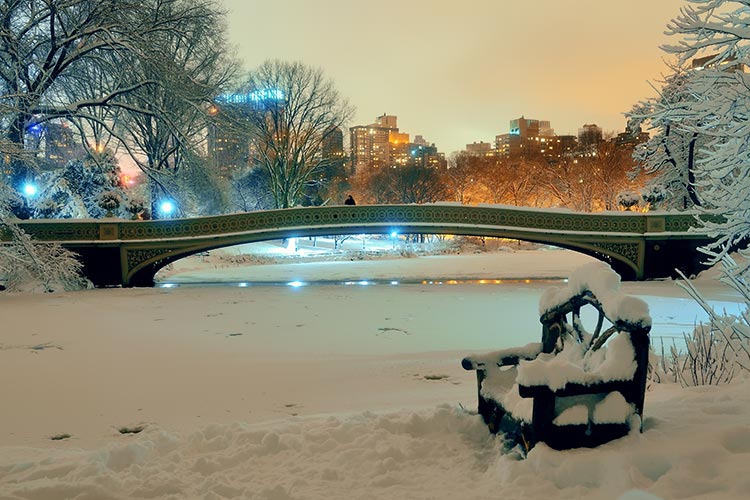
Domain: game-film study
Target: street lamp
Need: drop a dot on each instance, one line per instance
(166, 208)
(29, 190)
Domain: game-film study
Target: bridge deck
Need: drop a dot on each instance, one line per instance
(628, 241)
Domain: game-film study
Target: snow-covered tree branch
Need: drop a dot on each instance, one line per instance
(93, 63)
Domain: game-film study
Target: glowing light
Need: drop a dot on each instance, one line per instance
(242, 285)
(35, 129)
(296, 284)
(267, 95)
(169, 285)
(29, 190)
(166, 207)
(255, 96)
(363, 283)
(394, 283)
(394, 234)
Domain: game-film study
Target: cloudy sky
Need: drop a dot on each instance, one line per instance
(457, 72)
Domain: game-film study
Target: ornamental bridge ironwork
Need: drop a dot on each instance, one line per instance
(129, 253)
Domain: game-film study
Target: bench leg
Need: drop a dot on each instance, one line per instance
(542, 416)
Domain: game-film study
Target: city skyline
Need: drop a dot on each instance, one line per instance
(458, 75)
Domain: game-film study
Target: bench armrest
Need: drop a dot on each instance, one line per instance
(504, 357)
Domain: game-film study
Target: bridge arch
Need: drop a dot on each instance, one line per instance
(143, 273)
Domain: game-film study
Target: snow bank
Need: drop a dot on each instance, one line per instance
(695, 444)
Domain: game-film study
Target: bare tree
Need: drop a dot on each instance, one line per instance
(589, 182)
(461, 176)
(569, 183)
(512, 181)
(191, 67)
(294, 108)
(611, 174)
(407, 184)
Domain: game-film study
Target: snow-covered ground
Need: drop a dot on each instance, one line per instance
(326, 391)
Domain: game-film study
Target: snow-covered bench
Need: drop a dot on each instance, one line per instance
(575, 388)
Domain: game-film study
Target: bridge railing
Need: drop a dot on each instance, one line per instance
(66, 230)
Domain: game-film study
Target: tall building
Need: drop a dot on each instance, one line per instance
(371, 144)
(528, 137)
(589, 138)
(631, 137)
(228, 148)
(60, 144)
(229, 145)
(332, 144)
(381, 144)
(332, 150)
(525, 127)
(479, 148)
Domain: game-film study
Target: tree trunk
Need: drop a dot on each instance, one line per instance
(691, 173)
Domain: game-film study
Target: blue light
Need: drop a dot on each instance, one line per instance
(394, 234)
(35, 129)
(253, 97)
(166, 207)
(296, 284)
(394, 283)
(30, 190)
(267, 95)
(243, 285)
(360, 283)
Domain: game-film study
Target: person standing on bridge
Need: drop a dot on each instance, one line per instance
(349, 200)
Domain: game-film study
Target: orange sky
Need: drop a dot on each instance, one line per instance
(457, 72)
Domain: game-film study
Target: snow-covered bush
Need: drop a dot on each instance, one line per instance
(714, 354)
(654, 195)
(720, 350)
(135, 207)
(29, 266)
(628, 199)
(79, 189)
(47, 209)
(109, 201)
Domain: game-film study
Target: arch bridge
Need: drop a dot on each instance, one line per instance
(129, 253)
